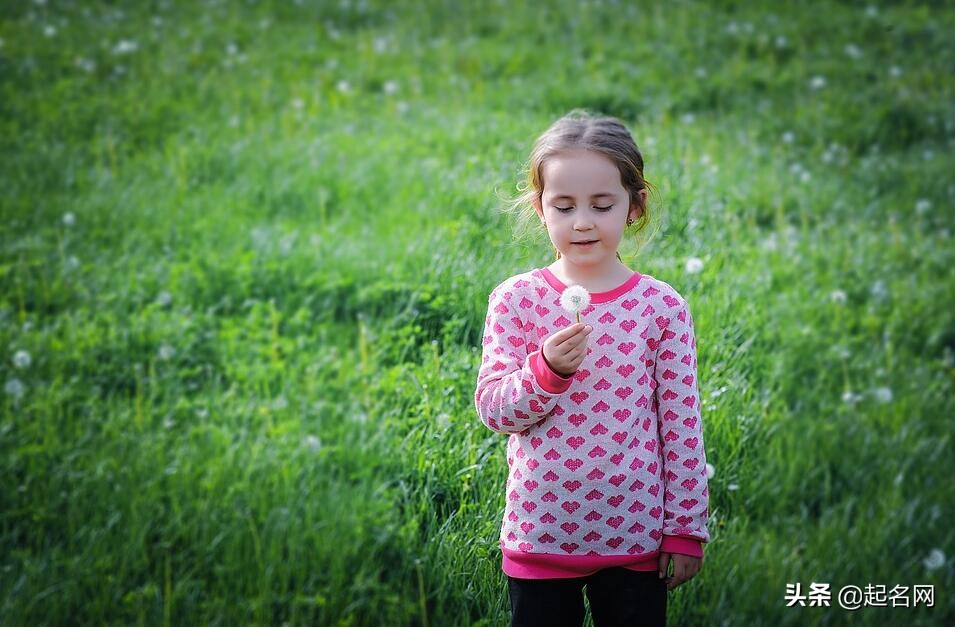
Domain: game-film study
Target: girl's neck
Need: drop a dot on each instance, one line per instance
(592, 278)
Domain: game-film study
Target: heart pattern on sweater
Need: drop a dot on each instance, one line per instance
(639, 370)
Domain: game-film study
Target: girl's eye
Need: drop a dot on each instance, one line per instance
(597, 208)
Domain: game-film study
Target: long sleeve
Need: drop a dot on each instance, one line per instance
(515, 387)
(686, 502)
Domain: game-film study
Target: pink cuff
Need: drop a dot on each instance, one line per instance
(682, 545)
(547, 378)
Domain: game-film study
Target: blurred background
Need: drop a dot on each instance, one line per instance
(246, 254)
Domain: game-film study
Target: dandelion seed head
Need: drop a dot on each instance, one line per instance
(882, 394)
(817, 82)
(575, 298)
(15, 388)
(934, 560)
(837, 296)
(21, 359)
(166, 352)
(312, 442)
(694, 265)
(69, 219)
(125, 46)
(164, 299)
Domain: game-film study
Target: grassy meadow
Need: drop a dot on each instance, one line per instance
(246, 253)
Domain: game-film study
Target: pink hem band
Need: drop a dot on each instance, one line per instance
(552, 566)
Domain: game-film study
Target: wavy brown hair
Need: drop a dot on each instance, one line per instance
(582, 129)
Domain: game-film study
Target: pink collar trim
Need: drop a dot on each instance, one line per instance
(595, 297)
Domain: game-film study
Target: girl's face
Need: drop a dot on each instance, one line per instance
(584, 201)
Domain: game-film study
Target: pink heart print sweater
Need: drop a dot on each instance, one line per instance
(605, 467)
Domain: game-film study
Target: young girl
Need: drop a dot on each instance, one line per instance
(607, 482)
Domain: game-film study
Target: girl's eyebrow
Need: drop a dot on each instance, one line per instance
(571, 197)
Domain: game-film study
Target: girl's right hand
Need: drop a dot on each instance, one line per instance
(565, 350)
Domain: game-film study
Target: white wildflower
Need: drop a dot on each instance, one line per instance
(732, 487)
(853, 51)
(694, 265)
(390, 87)
(849, 397)
(166, 352)
(710, 470)
(231, 49)
(69, 219)
(817, 82)
(125, 46)
(935, 560)
(688, 117)
(15, 388)
(298, 103)
(837, 296)
(21, 359)
(882, 394)
(381, 45)
(788, 137)
(49, 30)
(72, 263)
(575, 299)
(895, 71)
(700, 72)
(343, 86)
(871, 10)
(922, 205)
(781, 41)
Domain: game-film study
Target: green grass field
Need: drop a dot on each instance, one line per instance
(246, 253)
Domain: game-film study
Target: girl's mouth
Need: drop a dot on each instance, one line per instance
(585, 244)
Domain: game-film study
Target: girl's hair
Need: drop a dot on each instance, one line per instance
(581, 129)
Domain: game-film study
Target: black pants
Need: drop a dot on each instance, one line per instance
(618, 597)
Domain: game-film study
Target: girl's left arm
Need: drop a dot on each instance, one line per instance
(686, 497)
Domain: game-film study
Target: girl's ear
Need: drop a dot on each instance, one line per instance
(636, 208)
(538, 207)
